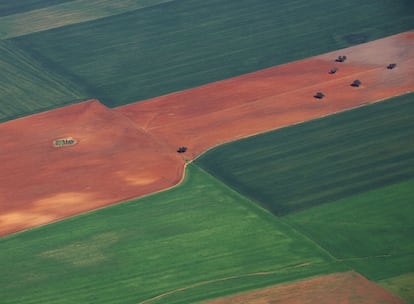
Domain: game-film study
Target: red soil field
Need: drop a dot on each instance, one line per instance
(111, 161)
(210, 115)
(130, 151)
(344, 288)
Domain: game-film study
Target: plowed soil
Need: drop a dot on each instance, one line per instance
(131, 150)
(344, 288)
(111, 161)
(210, 115)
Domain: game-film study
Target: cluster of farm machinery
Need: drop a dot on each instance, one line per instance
(356, 83)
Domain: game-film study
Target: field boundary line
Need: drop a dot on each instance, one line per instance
(68, 13)
(300, 122)
(260, 273)
(365, 258)
(256, 101)
(189, 161)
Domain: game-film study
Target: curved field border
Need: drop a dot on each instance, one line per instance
(130, 151)
(134, 251)
(112, 161)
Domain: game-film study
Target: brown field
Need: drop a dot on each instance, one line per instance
(111, 161)
(343, 288)
(210, 115)
(116, 158)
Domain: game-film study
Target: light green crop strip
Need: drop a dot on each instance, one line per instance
(67, 13)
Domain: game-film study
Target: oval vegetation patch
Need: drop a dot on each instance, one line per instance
(68, 141)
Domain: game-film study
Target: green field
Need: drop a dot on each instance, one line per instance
(66, 13)
(343, 183)
(401, 285)
(182, 44)
(371, 232)
(323, 160)
(199, 231)
(27, 87)
(9, 7)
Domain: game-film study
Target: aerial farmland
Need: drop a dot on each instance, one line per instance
(189, 151)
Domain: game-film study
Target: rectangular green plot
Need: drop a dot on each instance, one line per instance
(26, 87)
(371, 232)
(187, 43)
(323, 160)
(198, 232)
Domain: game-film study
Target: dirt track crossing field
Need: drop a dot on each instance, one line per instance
(130, 151)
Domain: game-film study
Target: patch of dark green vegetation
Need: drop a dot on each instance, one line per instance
(371, 232)
(356, 38)
(323, 160)
(187, 43)
(27, 87)
(9, 7)
(200, 231)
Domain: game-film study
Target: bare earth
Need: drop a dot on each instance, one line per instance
(130, 151)
(343, 288)
(210, 115)
(111, 161)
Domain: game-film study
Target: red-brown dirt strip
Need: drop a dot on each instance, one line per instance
(111, 162)
(130, 151)
(344, 288)
(210, 115)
